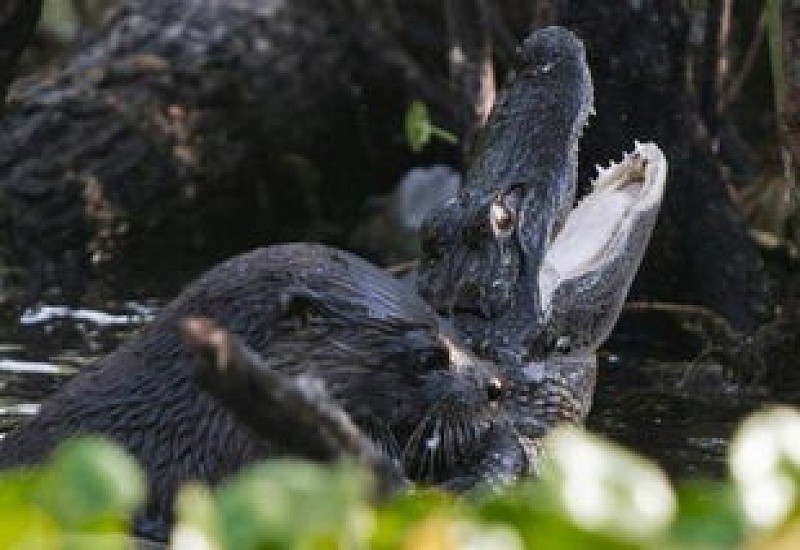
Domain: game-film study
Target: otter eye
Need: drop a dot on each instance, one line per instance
(494, 389)
(433, 359)
(563, 345)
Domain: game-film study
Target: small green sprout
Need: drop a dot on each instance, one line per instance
(420, 129)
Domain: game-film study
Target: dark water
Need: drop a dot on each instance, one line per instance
(678, 414)
(47, 345)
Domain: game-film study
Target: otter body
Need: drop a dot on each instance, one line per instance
(380, 350)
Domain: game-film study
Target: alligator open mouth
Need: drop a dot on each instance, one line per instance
(595, 255)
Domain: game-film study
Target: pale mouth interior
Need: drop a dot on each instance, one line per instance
(597, 229)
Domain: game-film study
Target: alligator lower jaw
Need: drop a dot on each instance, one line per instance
(598, 230)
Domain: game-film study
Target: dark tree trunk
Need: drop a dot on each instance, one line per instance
(188, 124)
(701, 252)
(18, 19)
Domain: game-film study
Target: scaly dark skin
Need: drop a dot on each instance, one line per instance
(481, 251)
(490, 259)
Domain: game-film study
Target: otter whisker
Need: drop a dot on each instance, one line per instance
(423, 448)
(449, 444)
(433, 444)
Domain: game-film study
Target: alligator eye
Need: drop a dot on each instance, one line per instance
(501, 217)
(563, 345)
(494, 389)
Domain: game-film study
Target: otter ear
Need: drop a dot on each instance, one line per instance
(302, 303)
(299, 302)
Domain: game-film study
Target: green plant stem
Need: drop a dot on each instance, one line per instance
(444, 135)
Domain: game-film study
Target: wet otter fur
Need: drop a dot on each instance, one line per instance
(380, 350)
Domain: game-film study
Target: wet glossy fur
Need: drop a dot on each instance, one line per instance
(324, 311)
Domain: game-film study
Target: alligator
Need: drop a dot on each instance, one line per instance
(540, 348)
(528, 281)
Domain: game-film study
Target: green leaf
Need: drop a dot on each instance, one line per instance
(420, 130)
(91, 485)
(418, 126)
(28, 527)
(397, 518)
(294, 504)
(709, 517)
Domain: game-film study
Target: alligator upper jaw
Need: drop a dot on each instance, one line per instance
(598, 250)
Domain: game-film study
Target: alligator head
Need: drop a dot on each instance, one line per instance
(529, 281)
(481, 248)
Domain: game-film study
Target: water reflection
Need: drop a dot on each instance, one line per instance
(49, 344)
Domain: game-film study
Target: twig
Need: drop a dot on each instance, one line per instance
(260, 395)
(82, 12)
(733, 90)
(789, 117)
(547, 12)
(710, 66)
(723, 47)
(471, 63)
(710, 323)
(744, 353)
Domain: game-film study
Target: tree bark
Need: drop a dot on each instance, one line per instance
(700, 252)
(197, 124)
(18, 19)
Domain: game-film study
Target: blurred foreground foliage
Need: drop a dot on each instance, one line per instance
(591, 494)
(81, 499)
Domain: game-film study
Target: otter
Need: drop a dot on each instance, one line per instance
(394, 366)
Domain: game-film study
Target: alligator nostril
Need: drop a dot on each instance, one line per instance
(563, 345)
(494, 389)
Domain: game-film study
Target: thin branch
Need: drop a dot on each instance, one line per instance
(471, 65)
(734, 89)
(789, 117)
(547, 12)
(258, 394)
(723, 47)
(709, 65)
